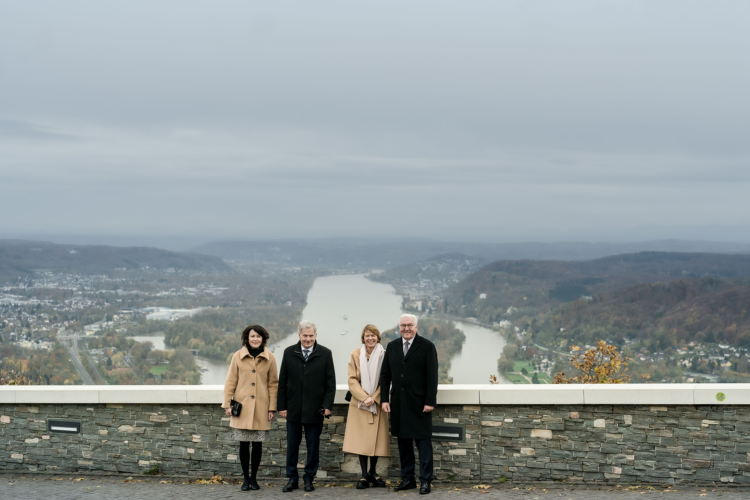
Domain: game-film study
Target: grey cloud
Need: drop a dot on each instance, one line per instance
(456, 118)
(17, 129)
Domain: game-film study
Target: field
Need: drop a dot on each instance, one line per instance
(158, 370)
(516, 377)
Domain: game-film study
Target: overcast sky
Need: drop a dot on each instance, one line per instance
(492, 120)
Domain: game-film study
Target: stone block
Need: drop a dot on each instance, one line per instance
(541, 433)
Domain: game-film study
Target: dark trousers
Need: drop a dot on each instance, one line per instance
(406, 454)
(312, 441)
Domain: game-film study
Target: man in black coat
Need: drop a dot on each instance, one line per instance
(411, 365)
(307, 386)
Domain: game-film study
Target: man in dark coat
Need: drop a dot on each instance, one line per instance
(411, 365)
(307, 386)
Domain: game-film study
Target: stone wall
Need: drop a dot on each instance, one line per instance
(602, 443)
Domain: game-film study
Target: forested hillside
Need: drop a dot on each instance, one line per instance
(656, 315)
(534, 287)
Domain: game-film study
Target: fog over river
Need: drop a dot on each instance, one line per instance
(361, 301)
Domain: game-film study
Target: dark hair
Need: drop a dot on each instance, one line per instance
(257, 329)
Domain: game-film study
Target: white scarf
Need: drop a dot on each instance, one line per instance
(370, 373)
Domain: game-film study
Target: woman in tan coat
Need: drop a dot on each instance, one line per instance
(366, 425)
(252, 381)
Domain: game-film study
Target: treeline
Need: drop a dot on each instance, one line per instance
(217, 333)
(447, 338)
(43, 367)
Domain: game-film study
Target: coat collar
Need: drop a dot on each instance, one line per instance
(298, 350)
(415, 342)
(244, 353)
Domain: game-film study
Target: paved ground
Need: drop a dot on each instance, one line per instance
(33, 486)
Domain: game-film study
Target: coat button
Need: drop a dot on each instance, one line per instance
(253, 371)
(253, 383)
(252, 397)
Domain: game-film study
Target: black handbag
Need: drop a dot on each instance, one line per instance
(236, 408)
(348, 396)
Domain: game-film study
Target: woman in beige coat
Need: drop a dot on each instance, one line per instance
(366, 425)
(252, 381)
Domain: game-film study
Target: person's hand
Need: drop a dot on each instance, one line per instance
(270, 416)
(368, 401)
(327, 413)
(228, 411)
(386, 407)
(428, 409)
(283, 413)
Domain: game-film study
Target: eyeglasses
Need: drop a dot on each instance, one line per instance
(410, 325)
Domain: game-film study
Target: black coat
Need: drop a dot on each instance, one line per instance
(415, 383)
(305, 387)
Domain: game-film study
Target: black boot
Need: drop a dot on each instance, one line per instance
(293, 484)
(406, 484)
(425, 488)
(245, 463)
(375, 481)
(246, 484)
(255, 464)
(363, 483)
(254, 484)
(309, 486)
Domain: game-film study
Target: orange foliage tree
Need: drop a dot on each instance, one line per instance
(602, 364)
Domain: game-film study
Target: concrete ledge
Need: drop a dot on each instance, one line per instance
(722, 394)
(638, 394)
(57, 394)
(205, 394)
(531, 395)
(169, 394)
(503, 394)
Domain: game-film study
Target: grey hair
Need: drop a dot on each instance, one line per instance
(414, 318)
(306, 324)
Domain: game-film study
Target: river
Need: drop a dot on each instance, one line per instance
(361, 301)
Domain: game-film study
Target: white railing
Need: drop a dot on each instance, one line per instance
(503, 394)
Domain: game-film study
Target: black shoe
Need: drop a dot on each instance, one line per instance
(309, 486)
(406, 484)
(293, 484)
(363, 483)
(425, 488)
(246, 484)
(375, 481)
(254, 484)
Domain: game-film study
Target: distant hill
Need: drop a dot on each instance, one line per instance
(535, 286)
(22, 258)
(659, 315)
(382, 254)
(440, 271)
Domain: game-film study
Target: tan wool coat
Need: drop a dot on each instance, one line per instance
(366, 434)
(253, 383)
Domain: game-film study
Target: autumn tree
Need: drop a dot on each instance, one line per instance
(602, 364)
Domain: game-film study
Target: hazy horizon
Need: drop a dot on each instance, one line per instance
(184, 243)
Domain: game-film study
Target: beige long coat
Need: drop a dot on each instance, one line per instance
(366, 434)
(254, 383)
